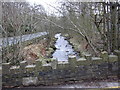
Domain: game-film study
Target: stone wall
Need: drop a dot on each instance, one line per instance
(58, 72)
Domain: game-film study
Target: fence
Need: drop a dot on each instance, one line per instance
(57, 72)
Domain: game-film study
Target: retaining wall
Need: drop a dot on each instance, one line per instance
(58, 72)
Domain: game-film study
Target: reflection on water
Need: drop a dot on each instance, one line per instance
(63, 48)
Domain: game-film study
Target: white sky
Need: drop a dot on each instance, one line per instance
(44, 4)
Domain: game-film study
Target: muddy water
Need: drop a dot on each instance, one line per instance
(63, 48)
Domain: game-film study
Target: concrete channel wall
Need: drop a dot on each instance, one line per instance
(58, 72)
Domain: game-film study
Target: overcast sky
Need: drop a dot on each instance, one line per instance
(44, 3)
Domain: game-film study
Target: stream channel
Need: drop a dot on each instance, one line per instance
(63, 49)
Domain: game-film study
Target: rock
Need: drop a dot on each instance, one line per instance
(88, 56)
(23, 64)
(62, 64)
(117, 52)
(83, 61)
(46, 67)
(54, 64)
(104, 55)
(66, 36)
(30, 81)
(15, 69)
(30, 68)
(97, 60)
(49, 52)
(54, 39)
(53, 46)
(38, 63)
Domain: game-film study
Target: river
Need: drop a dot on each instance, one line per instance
(64, 49)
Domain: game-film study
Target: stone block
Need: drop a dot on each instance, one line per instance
(27, 81)
(97, 60)
(104, 55)
(6, 68)
(113, 58)
(83, 61)
(30, 68)
(18, 81)
(54, 64)
(15, 69)
(23, 64)
(62, 65)
(88, 56)
(38, 64)
(115, 66)
(72, 60)
(46, 67)
(117, 52)
(104, 68)
(14, 82)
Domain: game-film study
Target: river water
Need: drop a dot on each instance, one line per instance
(64, 49)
